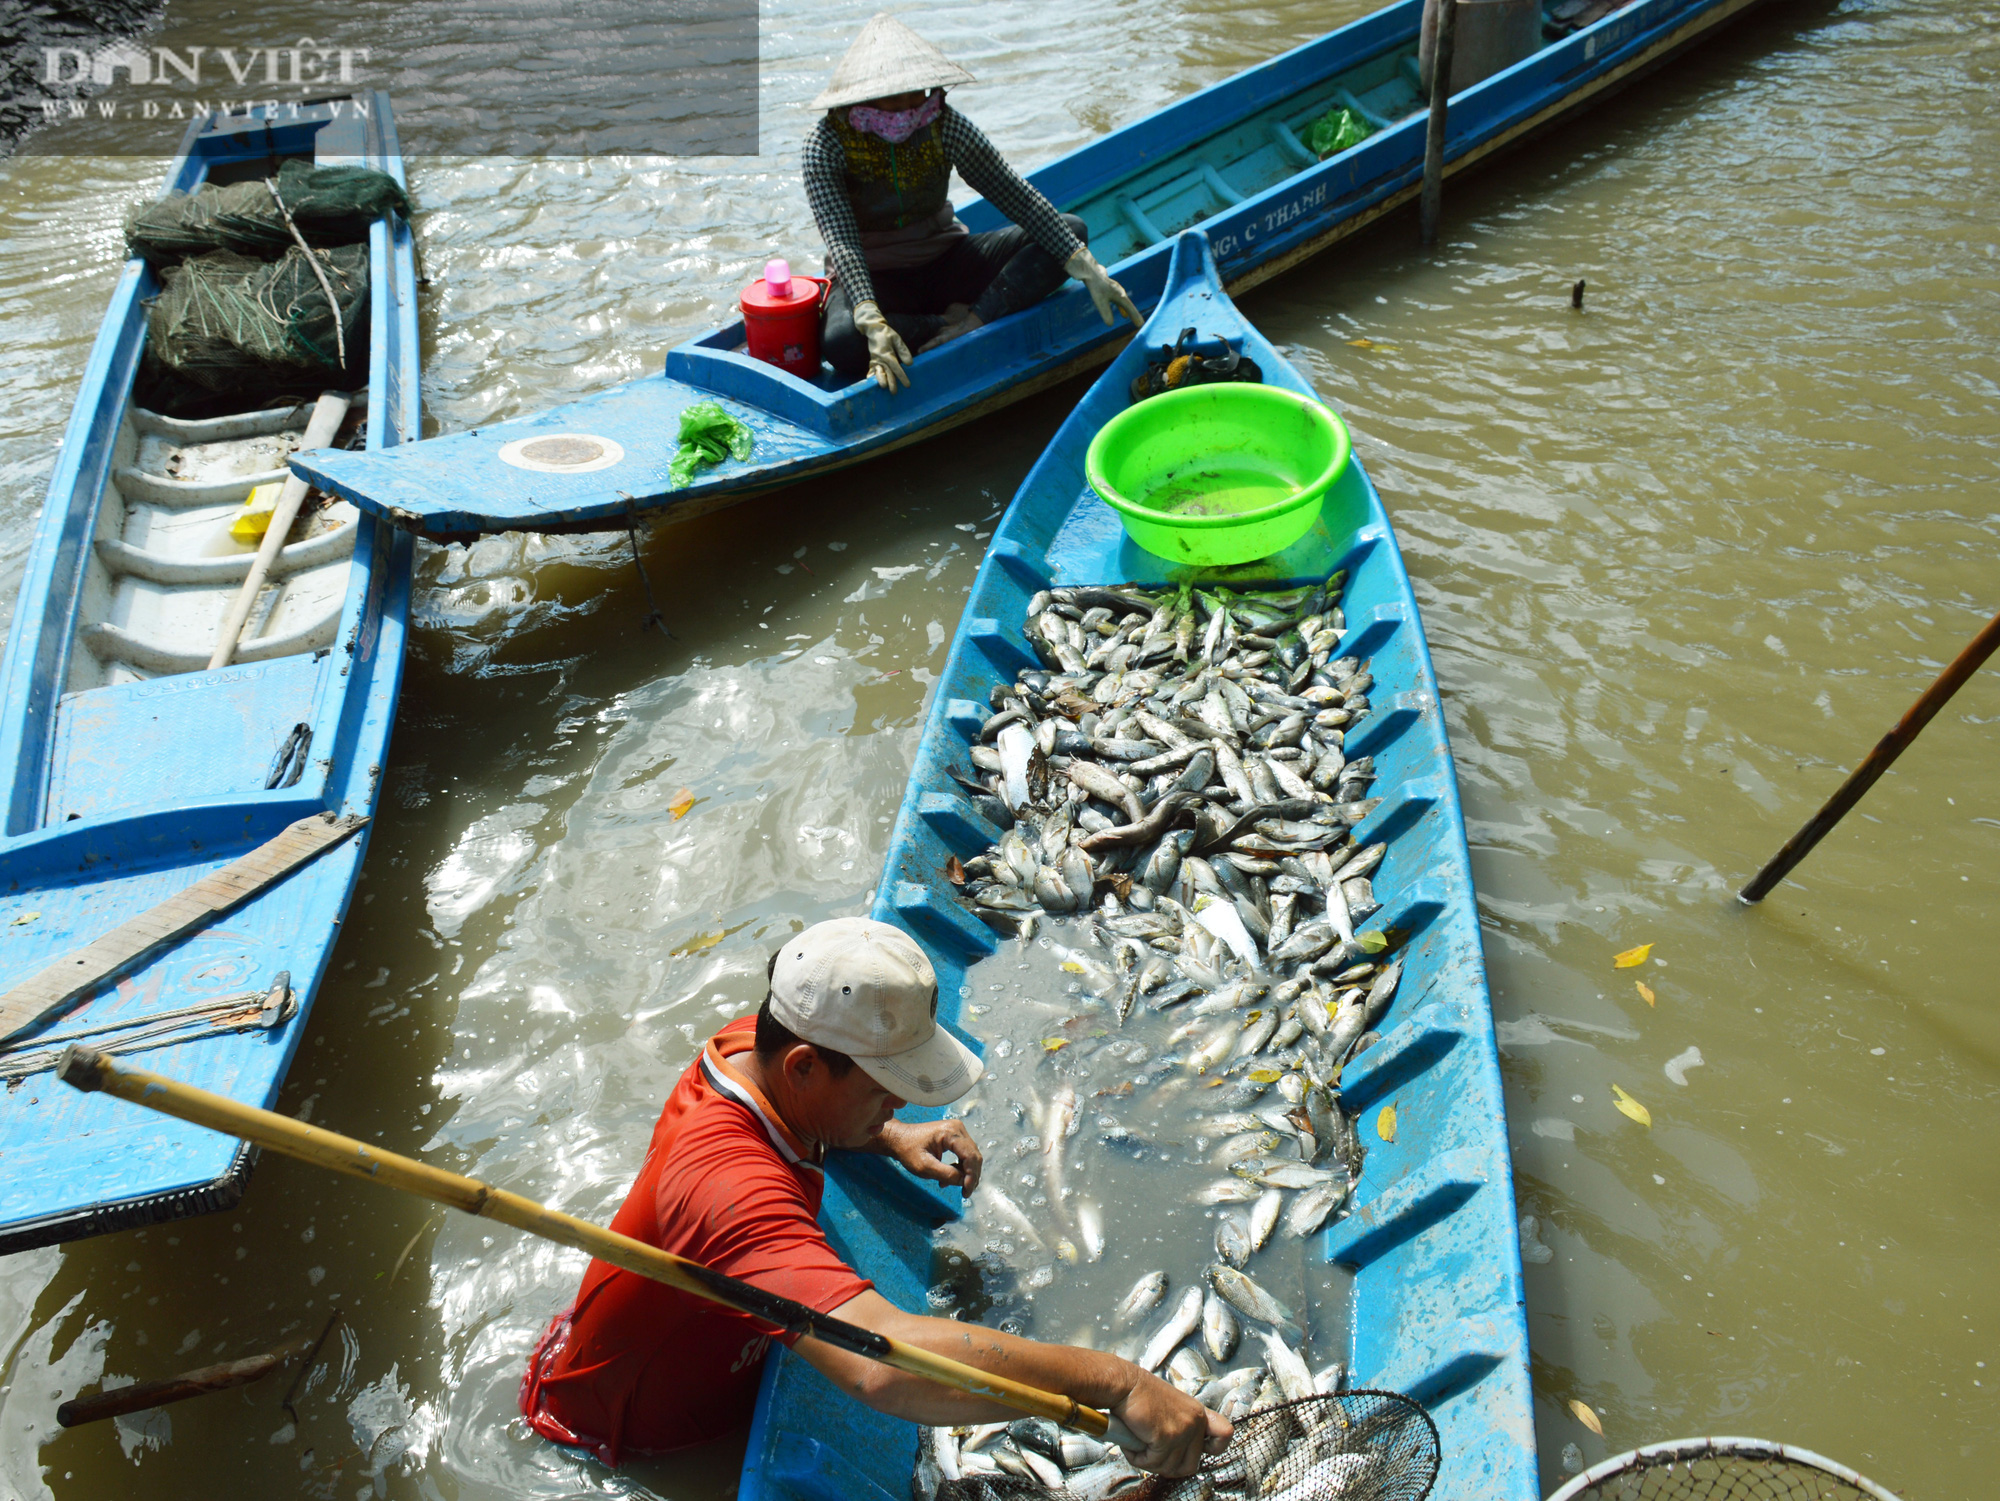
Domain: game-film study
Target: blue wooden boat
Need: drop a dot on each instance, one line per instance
(1231, 160)
(1437, 1305)
(131, 771)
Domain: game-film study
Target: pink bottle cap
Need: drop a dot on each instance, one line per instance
(778, 277)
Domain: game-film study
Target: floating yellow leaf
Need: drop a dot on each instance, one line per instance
(1371, 943)
(1266, 1075)
(1645, 992)
(683, 800)
(1054, 1044)
(1072, 967)
(26, 917)
(1385, 1123)
(1631, 1107)
(1632, 958)
(696, 945)
(1581, 1411)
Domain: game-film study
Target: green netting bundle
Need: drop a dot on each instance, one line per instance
(1336, 130)
(330, 205)
(231, 322)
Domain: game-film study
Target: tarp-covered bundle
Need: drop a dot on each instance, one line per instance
(330, 205)
(223, 319)
(241, 313)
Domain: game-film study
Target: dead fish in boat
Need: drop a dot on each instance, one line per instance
(1251, 1300)
(1182, 1322)
(1219, 1329)
(1146, 1295)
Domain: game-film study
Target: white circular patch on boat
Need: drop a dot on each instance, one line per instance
(562, 453)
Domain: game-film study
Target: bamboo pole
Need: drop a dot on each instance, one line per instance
(327, 415)
(1431, 203)
(87, 1069)
(1878, 761)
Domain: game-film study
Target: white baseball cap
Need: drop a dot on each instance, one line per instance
(865, 989)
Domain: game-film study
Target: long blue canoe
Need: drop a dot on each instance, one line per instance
(129, 771)
(1231, 160)
(1432, 1244)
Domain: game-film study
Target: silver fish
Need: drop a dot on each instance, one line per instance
(1056, 1130)
(1219, 1329)
(1182, 1322)
(1145, 1296)
(1289, 1175)
(1256, 1032)
(1310, 1209)
(1223, 919)
(1232, 1240)
(1090, 1227)
(1252, 1301)
(1264, 1217)
(1078, 1452)
(1294, 1375)
(1016, 745)
(1107, 1480)
(1187, 1370)
(1019, 1223)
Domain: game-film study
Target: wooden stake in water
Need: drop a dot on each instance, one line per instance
(1432, 201)
(1878, 761)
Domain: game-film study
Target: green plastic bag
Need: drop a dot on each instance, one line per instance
(1336, 130)
(708, 436)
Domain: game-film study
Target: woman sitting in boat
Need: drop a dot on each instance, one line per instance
(907, 274)
(847, 1035)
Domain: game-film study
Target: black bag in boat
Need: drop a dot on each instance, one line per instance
(1193, 361)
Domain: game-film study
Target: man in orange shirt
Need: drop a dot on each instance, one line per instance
(733, 1179)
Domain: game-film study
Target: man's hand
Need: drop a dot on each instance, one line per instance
(921, 1147)
(1176, 1429)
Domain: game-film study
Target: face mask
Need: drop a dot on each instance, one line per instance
(896, 125)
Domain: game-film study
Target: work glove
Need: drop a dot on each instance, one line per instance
(1108, 296)
(887, 353)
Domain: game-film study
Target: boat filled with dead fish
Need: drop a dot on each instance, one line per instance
(1192, 968)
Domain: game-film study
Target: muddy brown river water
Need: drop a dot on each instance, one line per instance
(1682, 556)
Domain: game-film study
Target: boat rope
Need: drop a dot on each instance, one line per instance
(653, 618)
(160, 1029)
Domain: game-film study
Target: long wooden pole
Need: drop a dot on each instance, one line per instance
(325, 421)
(1431, 201)
(87, 1069)
(1878, 761)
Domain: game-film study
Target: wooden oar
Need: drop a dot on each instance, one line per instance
(87, 1069)
(328, 413)
(1878, 761)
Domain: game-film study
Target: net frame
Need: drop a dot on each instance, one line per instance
(1688, 1451)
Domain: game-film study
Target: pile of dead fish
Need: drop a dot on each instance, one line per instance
(1175, 793)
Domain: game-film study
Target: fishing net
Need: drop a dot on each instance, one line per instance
(330, 205)
(1357, 1446)
(231, 323)
(1720, 1469)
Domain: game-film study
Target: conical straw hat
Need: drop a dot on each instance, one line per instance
(888, 58)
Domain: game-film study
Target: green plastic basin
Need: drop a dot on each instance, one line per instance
(1218, 474)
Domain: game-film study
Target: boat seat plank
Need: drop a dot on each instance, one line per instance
(210, 734)
(138, 485)
(123, 558)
